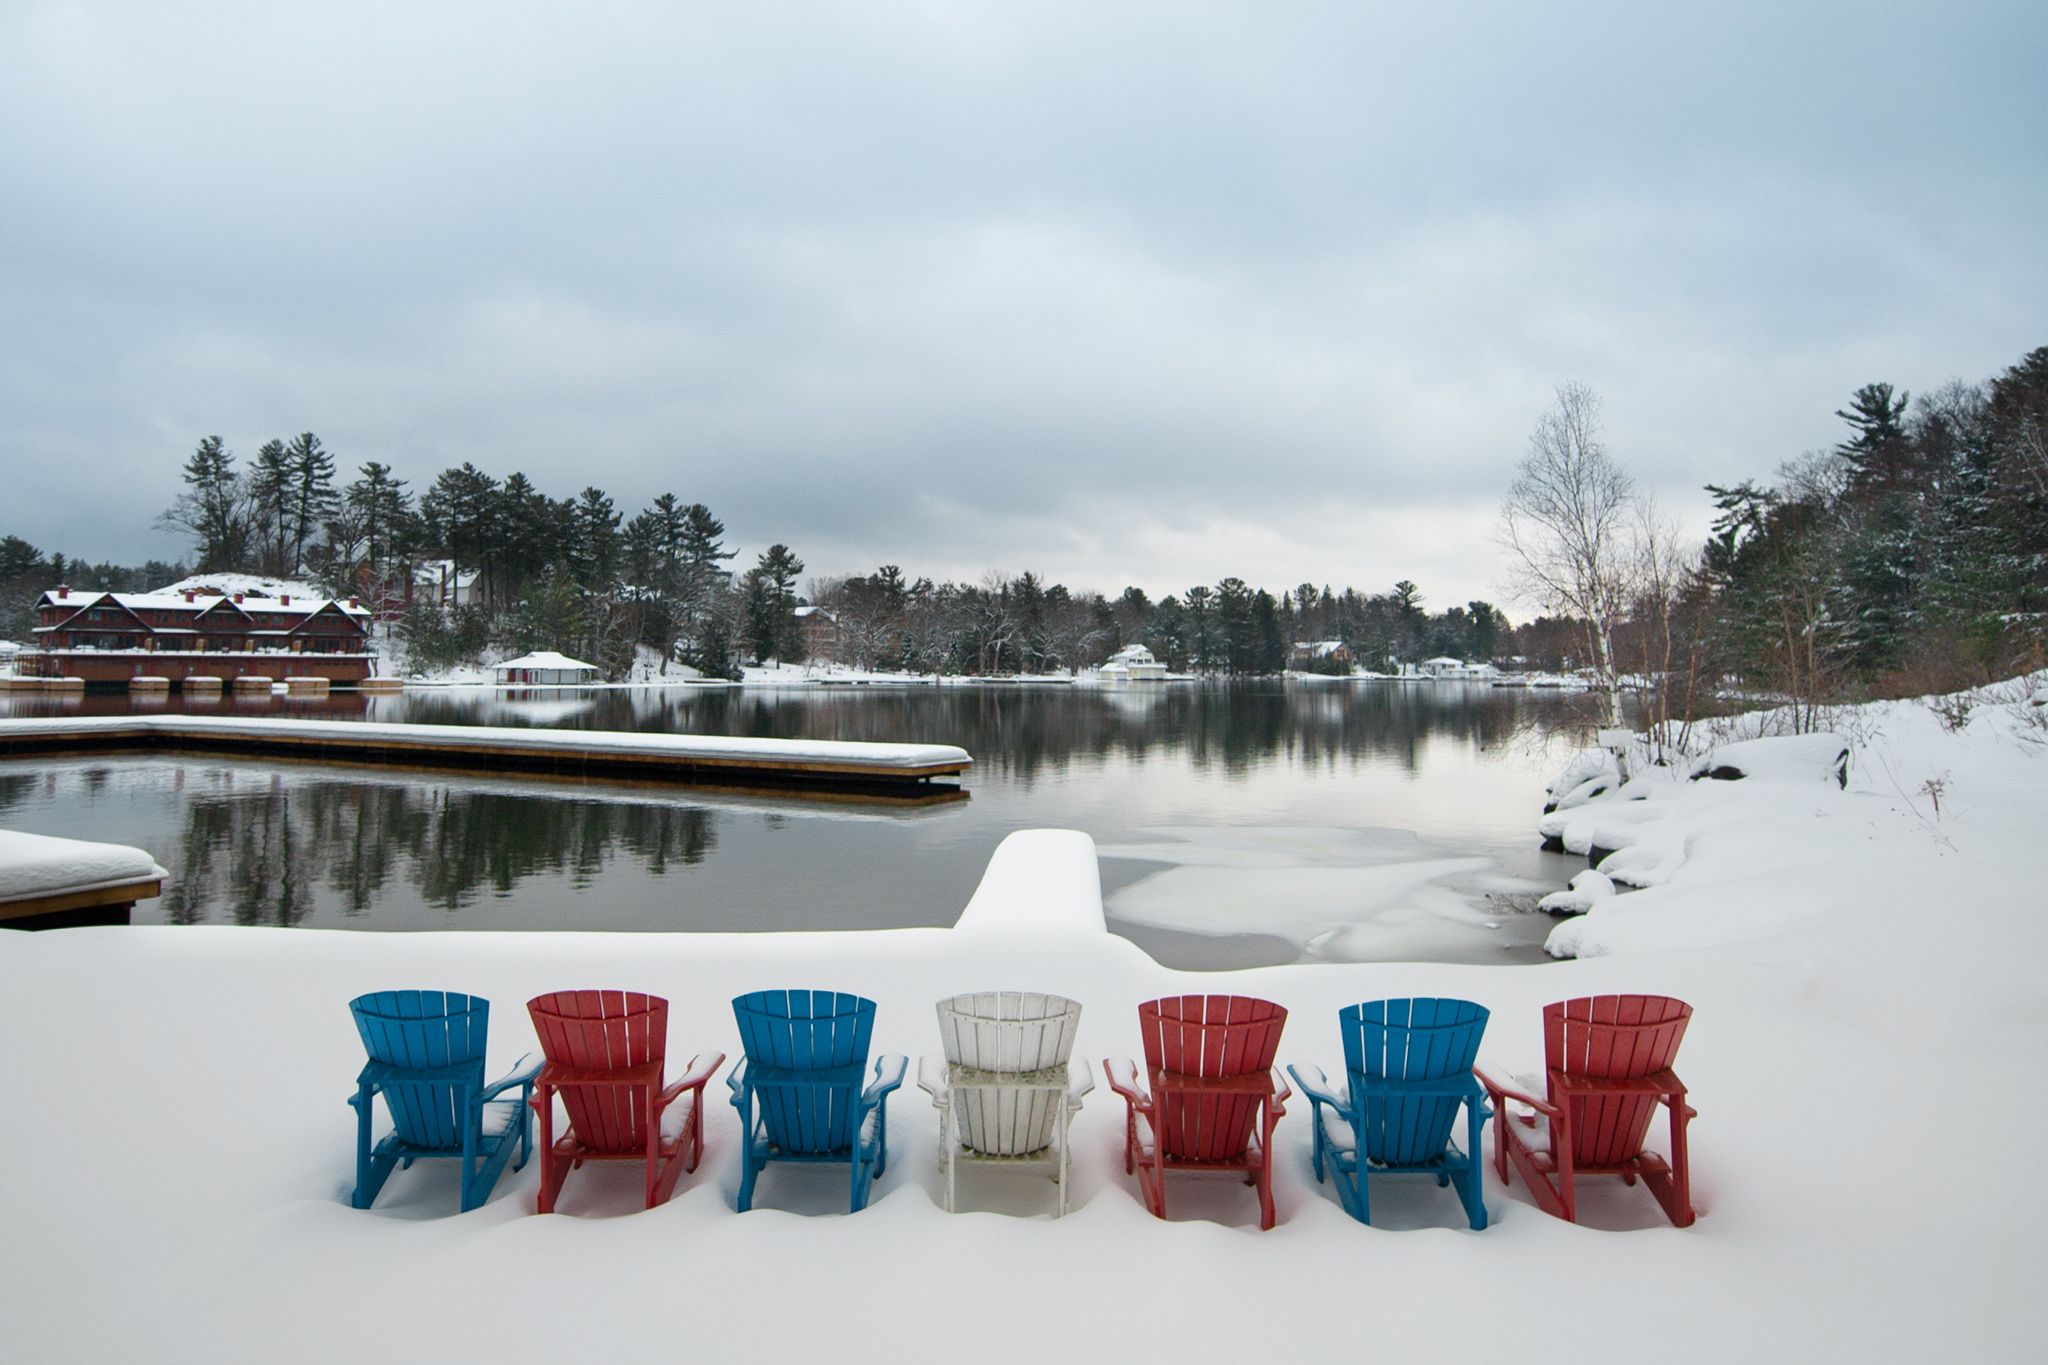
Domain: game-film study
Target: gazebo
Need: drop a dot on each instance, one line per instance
(545, 668)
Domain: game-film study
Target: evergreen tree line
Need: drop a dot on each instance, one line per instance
(1024, 625)
(1910, 558)
(474, 562)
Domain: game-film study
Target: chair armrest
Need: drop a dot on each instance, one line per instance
(1316, 1086)
(1501, 1092)
(377, 1075)
(1080, 1080)
(736, 1079)
(1257, 1083)
(1128, 1086)
(931, 1078)
(1663, 1084)
(888, 1075)
(702, 1066)
(1276, 1103)
(1458, 1087)
(522, 1073)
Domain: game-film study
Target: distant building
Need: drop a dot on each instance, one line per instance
(1307, 651)
(1446, 669)
(110, 637)
(820, 631)
(545, 668)
(1133, 663)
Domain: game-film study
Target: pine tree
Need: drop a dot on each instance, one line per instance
(213, 507)
(270, 493)
(595, 548)
(309, 497)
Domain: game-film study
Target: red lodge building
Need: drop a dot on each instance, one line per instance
(113, 637)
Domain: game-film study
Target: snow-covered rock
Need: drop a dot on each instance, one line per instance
(1791, 758)
(1586, 888)
(1590, 773)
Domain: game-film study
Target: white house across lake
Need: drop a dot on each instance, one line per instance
(546, 669)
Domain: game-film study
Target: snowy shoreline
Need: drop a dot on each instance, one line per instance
(1833, 942)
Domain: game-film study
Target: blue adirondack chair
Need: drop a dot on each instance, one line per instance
(427, 1061)
(799, 1088)
(1409, 1067)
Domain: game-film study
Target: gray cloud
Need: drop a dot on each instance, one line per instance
(1122, 294)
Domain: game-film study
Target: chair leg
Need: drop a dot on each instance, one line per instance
(1673, 1188)
(552, 1169)
(372, 1167)
(696, 1128)
(749, 1171)
(525, 1129)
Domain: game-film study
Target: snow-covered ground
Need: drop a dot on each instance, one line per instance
(258, 585)
(1866, 973)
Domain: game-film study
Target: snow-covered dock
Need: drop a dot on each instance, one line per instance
(43, 877)
(881, 769)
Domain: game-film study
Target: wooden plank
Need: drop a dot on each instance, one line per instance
(56, 902)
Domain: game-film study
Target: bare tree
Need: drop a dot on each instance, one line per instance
(1566, 522)
(1666, 636)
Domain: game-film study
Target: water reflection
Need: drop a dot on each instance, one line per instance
(1144, 770)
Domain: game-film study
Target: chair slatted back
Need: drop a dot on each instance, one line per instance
(603, 1031)
(427, 1030)
(1422, 1039)
(807, 1031)
(1206, 1037)
(1007, 1031)
(1618, 1037)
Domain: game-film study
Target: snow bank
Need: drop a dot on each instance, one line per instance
(1795, 758)
(1923, 817)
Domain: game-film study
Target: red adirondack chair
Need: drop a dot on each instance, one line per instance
(1607, 1061)
(605, 1055)
(1213, 1093)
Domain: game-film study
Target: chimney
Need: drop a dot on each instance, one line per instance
(353, 603)
(238, 599)
(63, 591)
(284, 599)
(190, 596)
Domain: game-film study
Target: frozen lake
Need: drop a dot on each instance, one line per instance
(1239, 824)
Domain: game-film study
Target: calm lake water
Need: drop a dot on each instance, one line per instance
(1239, 824)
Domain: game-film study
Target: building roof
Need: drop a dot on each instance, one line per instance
(546, 659)
(159, 601)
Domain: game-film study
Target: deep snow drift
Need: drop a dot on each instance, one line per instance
(1866, 974)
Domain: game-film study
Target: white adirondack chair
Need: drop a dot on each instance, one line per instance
(1007, 1087)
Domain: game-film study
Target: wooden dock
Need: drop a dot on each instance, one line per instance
(73, 909)
(888, 770)
(48, 882)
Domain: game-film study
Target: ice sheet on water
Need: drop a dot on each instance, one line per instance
(1341, 894)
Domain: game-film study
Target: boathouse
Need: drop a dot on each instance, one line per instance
(545, 668)
(112, 637)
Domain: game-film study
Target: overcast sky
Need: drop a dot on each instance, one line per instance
(1120, 293)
